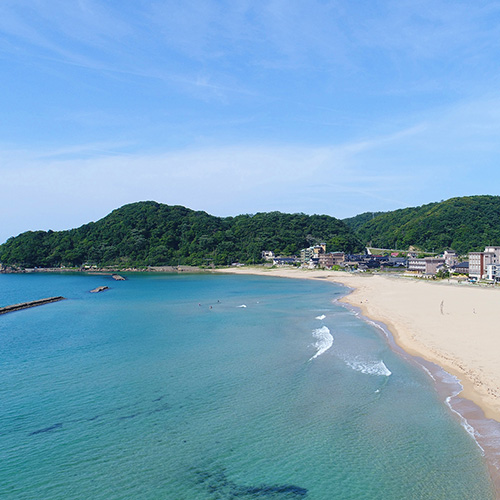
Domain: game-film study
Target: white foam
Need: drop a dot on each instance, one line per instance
(429, 373)
(369, 367)
(324, 341)
(242, 305)
(463, 421)
(321, 317)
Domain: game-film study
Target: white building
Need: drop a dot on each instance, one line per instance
(267, 255)
(493, 272)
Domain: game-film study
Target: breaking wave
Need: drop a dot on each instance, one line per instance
(324, 341)
(321, 317)
(369, 367)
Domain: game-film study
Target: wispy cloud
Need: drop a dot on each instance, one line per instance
(378, 172)
(223, 181)
(232, 106)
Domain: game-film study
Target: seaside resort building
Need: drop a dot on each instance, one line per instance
(306, 254)
(331, 259)
(480, 261)
(428, 265)
(450, 258)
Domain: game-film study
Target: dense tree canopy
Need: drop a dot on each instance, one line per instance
(150, 233)
(464, 224)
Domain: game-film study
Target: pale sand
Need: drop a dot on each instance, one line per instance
(455, 326)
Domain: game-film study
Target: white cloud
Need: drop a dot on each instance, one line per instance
(47, 190)
(428, 161)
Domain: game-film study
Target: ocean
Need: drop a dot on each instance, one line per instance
(200, 386)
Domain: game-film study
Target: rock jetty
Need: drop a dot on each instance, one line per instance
(99, 289)
(26, 305)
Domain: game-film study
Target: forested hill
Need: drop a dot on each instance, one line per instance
(358, 221)
(150, 233)
(464, 224)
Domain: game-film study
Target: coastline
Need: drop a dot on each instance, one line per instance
(446, 328)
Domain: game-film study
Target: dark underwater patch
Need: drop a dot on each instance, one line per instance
(110, 413)
(218, 483)
(46, 429)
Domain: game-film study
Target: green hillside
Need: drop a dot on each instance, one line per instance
(150, 233)
(464, 224)
(356, 222)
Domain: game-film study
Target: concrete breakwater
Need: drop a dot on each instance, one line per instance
(26, 305)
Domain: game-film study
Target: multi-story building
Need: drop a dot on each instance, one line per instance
(331, 259)
(479, 262)
(306, 254)
(493, 272)
(450, 258)
(427, 265)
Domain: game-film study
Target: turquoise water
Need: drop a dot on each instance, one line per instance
(165, 387)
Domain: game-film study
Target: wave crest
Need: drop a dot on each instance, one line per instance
(324, 341)
(369, 367)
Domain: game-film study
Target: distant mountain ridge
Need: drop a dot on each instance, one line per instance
(464, 224)
(149, 233)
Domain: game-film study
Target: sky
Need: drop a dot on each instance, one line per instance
(239, 106)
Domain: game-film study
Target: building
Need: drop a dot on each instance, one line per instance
(331, 259)
(397, 262)
(493, 272)
(479, 262)
(306, 254)
(427, 265)
(267, 255)
(285, 261)
(461, 268)
(450, 258)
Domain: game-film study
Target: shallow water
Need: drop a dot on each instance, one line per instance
(164, 386)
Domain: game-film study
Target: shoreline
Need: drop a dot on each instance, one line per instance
(421, 322)
(446, 329)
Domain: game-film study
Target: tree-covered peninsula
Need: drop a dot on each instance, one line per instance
(153, 234)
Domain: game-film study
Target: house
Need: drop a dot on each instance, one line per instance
(267, 255)
(461, 268)
(353, 260)
(397, 262)
(285, 261)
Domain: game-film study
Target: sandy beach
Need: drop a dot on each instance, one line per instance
(452, 325)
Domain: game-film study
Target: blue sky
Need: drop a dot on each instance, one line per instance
(330, 107)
